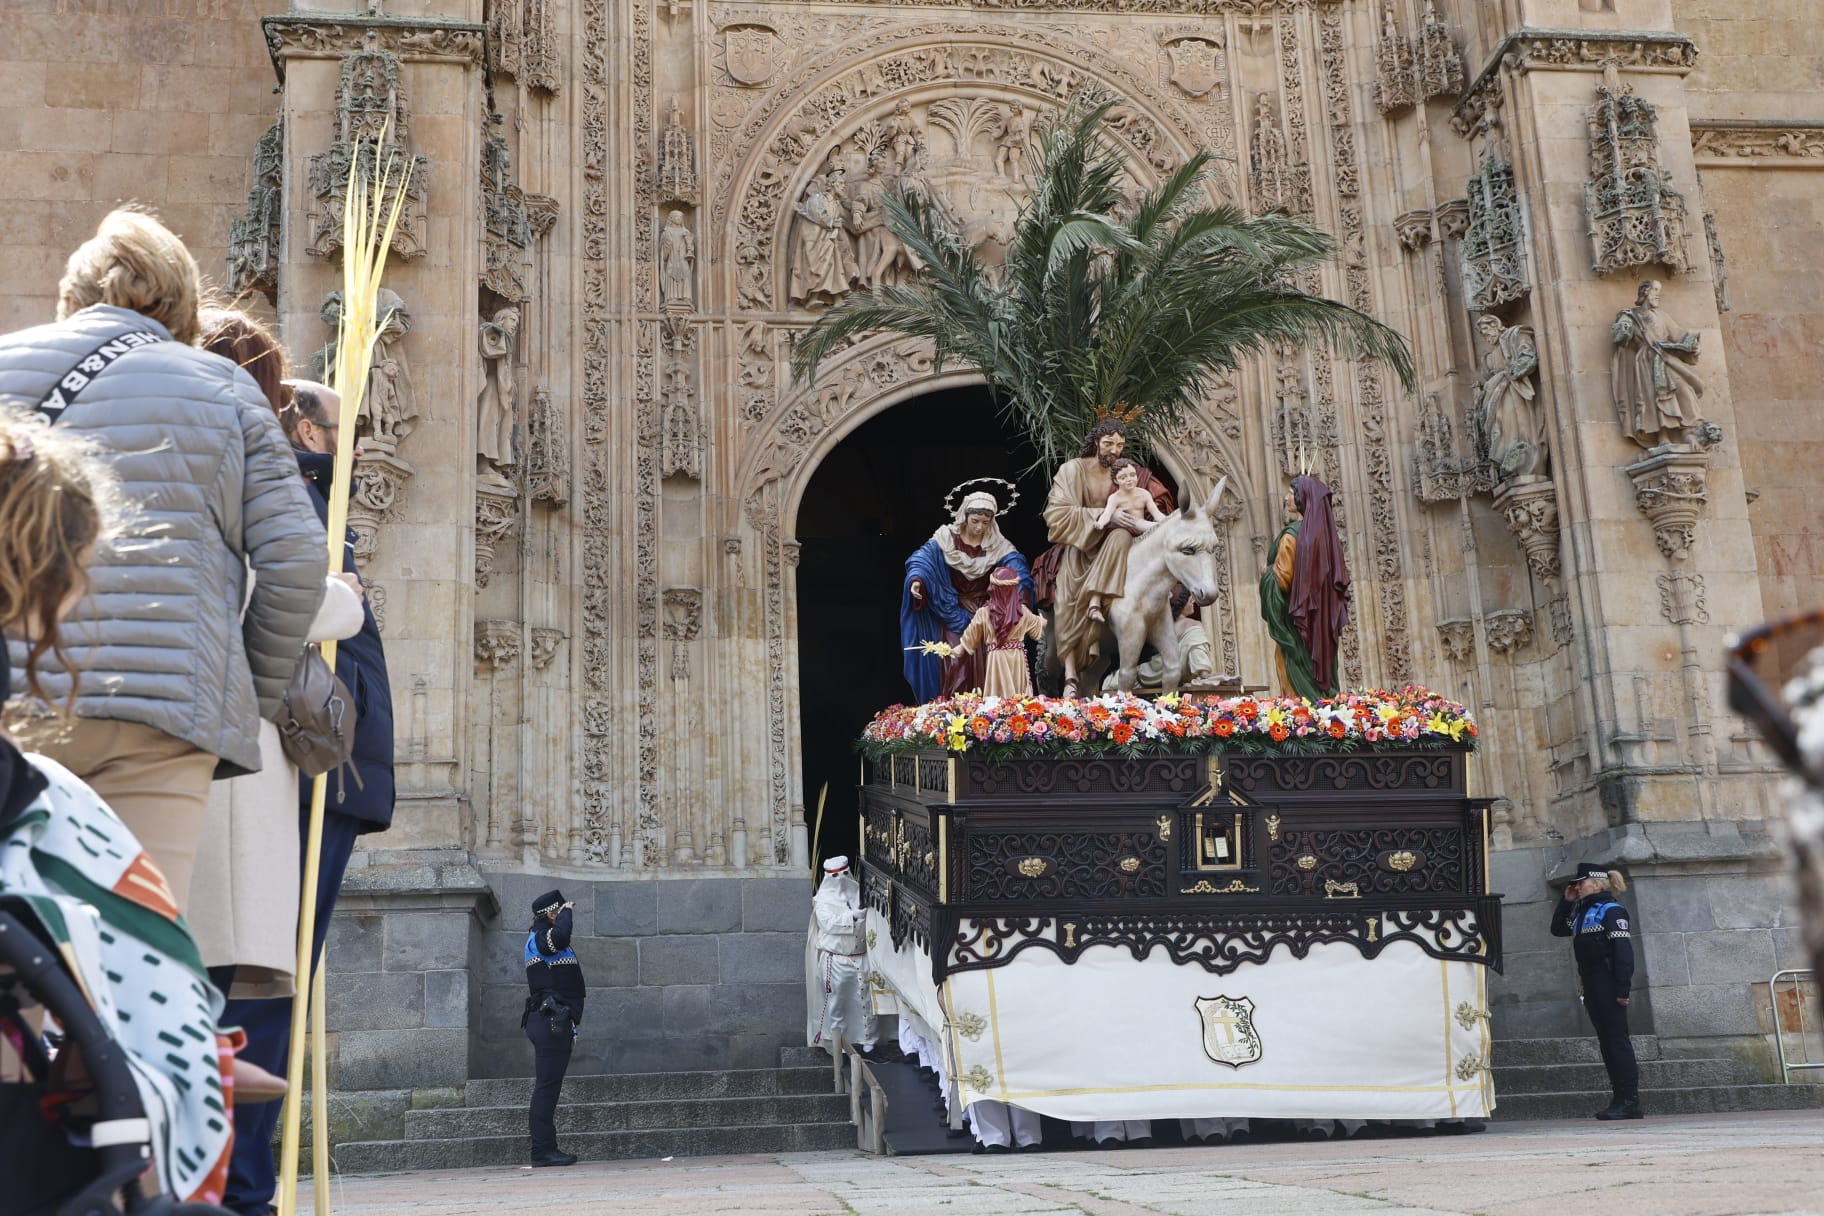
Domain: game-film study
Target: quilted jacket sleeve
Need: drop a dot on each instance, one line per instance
(284, 544)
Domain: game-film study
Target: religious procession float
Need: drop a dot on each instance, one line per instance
(1117, 908)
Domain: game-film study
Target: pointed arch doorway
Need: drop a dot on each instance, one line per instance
(877, 496)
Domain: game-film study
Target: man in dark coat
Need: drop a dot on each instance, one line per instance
(351, 808)
(554, 1007)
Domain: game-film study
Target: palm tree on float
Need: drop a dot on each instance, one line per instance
(1093, 309)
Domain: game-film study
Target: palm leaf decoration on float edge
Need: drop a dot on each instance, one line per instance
(1103, 301)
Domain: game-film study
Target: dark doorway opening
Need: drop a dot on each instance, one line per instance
(878, 496)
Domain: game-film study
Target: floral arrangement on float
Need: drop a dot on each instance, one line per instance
(1123, 724)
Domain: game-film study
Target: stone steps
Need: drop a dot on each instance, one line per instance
(1707, 1101)
(602, 1118)
(457, 1123)
(657, 1086)
(387, 1156)
(1564, 1079)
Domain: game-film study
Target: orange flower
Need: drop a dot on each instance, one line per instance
(1337, 729)
(1278, 731)
(1247, 709)
(979, 726)
(1098, 715)
(1122, 733)
(1224, 727)
(1018, 724)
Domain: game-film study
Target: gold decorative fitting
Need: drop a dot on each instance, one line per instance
(1468, 1067)
(979, 1079)
(1031, 867)
(1374, 928)
(872, 938)
(1129, 864)
(1165, 827)
(1235, 887)
(1273, 827)
(1468, 1015)
(970, 1025)
(1070, 935)
(1341, 890)
(1307, 862)
(1402, 860)
(930, 859)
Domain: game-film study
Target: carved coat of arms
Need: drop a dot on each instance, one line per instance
(749, 50)
(1194, 65)
(1229, 1036)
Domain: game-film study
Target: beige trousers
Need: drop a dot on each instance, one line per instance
(157, 784)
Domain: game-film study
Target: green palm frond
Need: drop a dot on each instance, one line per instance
(1104, 300)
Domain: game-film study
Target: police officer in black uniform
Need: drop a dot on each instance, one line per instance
(554, 1007)
(1598, 928)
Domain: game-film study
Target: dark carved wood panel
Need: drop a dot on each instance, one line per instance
(1076, 865)
(934, 776)
(1163, 777)
(1305, 859)
(1270, 778)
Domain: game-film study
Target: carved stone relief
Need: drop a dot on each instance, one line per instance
(1458, 639)
(677, 162)
(547, 456)
(1439, 62)
(496, 515)
(1278, 183)
(545, 643)
(1719, 141)
(496, 643)
(1508, 630)
(1671, 489)
(1493, 248)
(1530, 511)
(1681, 598)
(1636, 217)
(506, 265)
(371, 104)
(1194, 60)
(1396, 83)
(255, 238)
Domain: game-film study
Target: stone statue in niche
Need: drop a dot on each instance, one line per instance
(1655, 388)
(498, 404)
(1010, 142)
(677, 256)
(1507, 402)
(390, 405)
(823, 256)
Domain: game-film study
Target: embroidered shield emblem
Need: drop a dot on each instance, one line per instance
(1229, 1036)
(1194, 65)
(750, 53)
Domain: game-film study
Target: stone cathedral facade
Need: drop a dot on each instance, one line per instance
(586, 454)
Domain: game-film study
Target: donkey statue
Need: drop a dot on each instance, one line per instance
(1181, 548)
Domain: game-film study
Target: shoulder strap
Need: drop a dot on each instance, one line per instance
(91, 365)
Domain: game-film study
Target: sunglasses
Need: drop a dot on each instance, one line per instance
(1761, 662)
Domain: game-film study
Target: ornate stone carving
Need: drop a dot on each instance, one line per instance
(1636, 217)
(371, 103)
(677, 163)
(1508, 630)
(1719, 266)
(1413, 229)
(545, 644)
(333, 36)
(1558, 610)
(1681, 598)
(1531, 514)
(1459, 640)
(748, 52)
(1278, 183)
(1453, 218)
(376, 499)
(507, 228)
(1396, 82)
(1671, 488)
(1722, 141)
(1438, 474)
(547, 463)
(1527, 50)
(496, 643)
(496, 514)
(1493, 248)
(376, 604)
(683, 438)
(389, 405)
(1194, 60)
(1653, 376)
(1439, 64)
(255, 238)
(503, 21)
(541, 63)
(683, 609)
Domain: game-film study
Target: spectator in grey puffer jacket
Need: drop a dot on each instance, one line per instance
(170, 679)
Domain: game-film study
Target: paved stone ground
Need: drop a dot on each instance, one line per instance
(1714, 1165)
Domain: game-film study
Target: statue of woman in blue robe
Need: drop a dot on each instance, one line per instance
(946, 581)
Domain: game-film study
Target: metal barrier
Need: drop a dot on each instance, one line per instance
(1798, 978)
